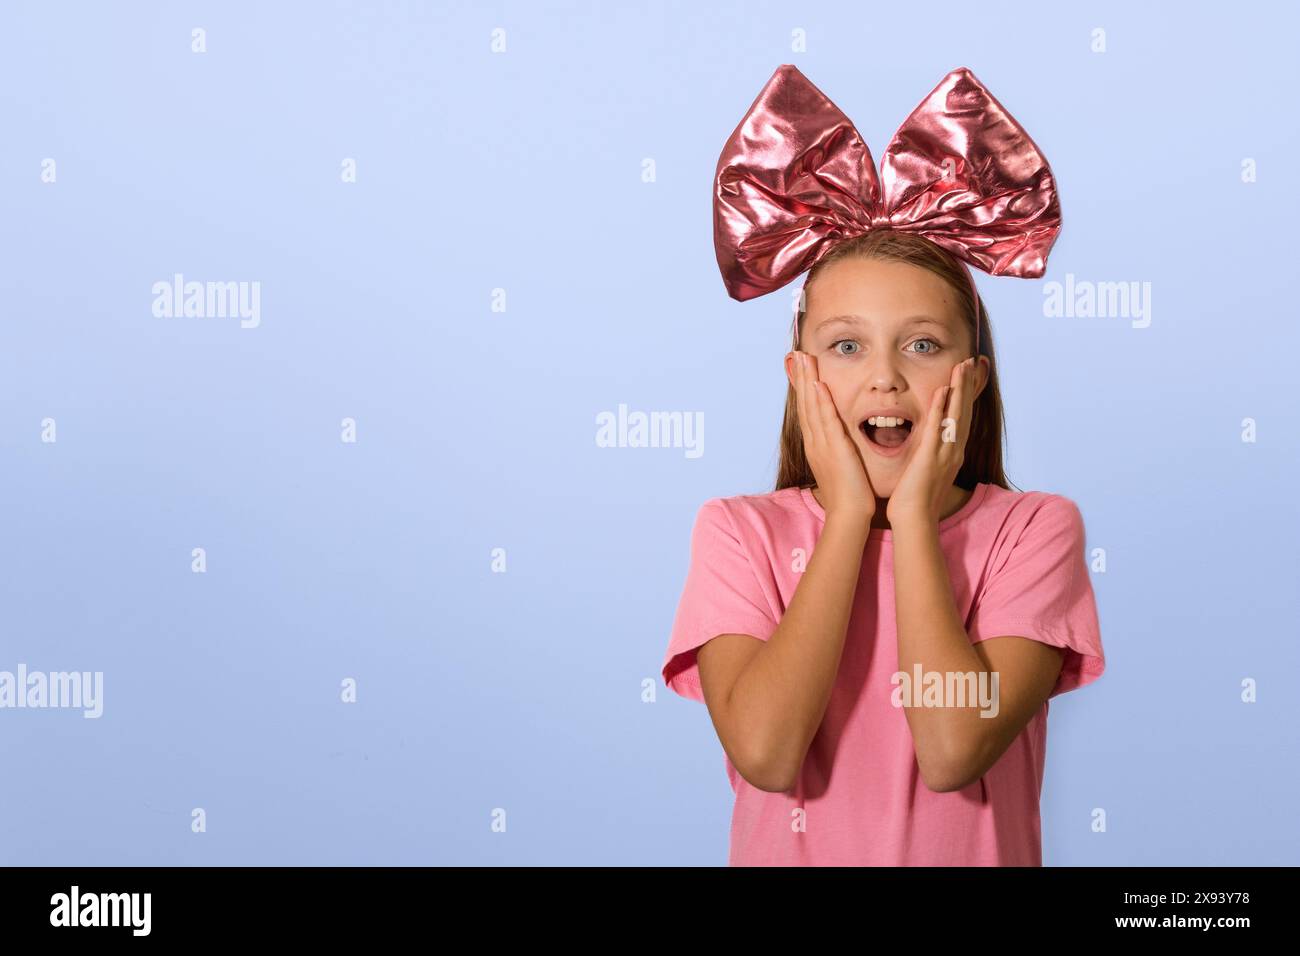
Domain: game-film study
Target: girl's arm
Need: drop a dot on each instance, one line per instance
(767, 698)
(955, 746)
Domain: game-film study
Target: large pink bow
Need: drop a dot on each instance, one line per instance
(795, 178)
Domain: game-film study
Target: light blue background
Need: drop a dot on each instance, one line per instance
(522, 171)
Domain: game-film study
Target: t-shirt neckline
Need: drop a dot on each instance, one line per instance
(886, 534)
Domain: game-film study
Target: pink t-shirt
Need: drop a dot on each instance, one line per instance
(1017, 567)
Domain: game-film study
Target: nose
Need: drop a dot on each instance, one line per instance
(883, 370)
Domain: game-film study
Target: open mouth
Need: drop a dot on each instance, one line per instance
(888, 435)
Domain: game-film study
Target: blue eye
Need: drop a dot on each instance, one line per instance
(835, 346)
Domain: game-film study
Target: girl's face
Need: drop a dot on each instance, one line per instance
(886, 335)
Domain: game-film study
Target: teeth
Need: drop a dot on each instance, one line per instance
(885, 421)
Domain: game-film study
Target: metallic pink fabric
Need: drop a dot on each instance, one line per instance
(795, 178)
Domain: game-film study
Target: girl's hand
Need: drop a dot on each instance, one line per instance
(834, 458)
(941, 450)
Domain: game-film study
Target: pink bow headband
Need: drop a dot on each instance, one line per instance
(795, 179)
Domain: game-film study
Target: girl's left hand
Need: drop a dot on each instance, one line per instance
(938, 457)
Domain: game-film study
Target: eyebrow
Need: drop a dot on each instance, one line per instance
(851, 319)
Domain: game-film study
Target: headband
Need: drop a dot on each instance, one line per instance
(796, 178)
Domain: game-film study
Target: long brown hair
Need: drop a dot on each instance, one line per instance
(983, 458)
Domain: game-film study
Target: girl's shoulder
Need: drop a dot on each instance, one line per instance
(1024, 505)
(1027, 521)
(762, 509)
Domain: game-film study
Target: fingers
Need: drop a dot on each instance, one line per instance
(936, 420)
(835, 459)
(834, 430)
(809, 419)
(816, 400)
(818, 417)
(806, 397)
(799, 399)
(828, 419)
(958, 402)
(844, 438)
(961, 399)
(832, 424)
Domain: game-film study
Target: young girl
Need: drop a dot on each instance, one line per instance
(832, 625)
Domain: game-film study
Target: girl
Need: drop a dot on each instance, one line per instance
(877, 639)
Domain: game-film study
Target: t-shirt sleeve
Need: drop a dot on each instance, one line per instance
(1043, 592)
(722, 595)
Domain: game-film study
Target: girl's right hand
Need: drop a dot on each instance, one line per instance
(834, 458)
